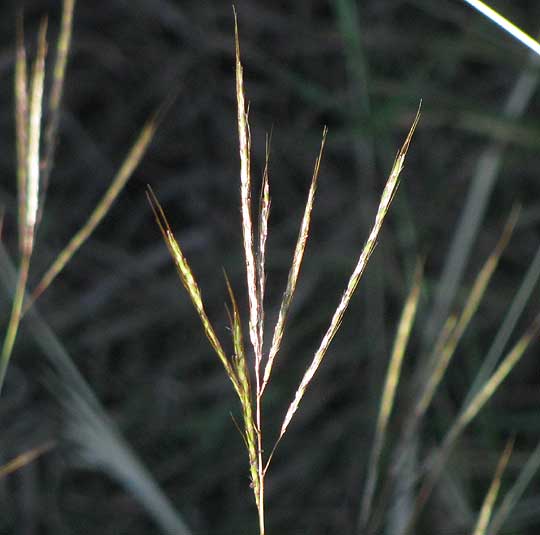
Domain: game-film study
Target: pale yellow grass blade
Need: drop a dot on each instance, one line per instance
(63, 45)
(442, 360)
(295, 268)
(245, 197)
(389, 392)
(125, 172)
(468, 413)
(491, 496)
(386, 199)
(514, 494)
(25, 458)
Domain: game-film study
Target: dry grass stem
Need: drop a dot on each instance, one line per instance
(295, 268)
(491, 496)
(389, 391)
(386, 199)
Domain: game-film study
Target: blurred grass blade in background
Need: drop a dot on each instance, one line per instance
(511, 498)
(507, 327)
(467, 414)
(506, 25)
(24, 458)
(439, 362)
(491, 496)
(96, 438)
(389, 392)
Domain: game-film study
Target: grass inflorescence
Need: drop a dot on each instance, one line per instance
(403, 471)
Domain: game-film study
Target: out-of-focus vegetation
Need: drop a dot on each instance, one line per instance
(141, 424)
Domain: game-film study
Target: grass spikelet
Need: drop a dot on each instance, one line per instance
(63, 46)
(264, 214)
(491, 496)
(250, 432)
(245, 198)
(389, 391)
(34, 133)
(189, 282)
(386, 199)
(21, 126)
(295, 268)
(31, 188)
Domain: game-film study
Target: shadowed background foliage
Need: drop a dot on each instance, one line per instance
(360, 68)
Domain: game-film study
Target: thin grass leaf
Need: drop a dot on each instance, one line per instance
(190, 284)
(21, 126)
(242, 373)
(491, 496)
(100, 446)
(245, 197)
(63, 46)
(506, 25)
(511, 498)
(442, 361)
(483, 181)
(96, 435)
(25, 458)
(31, 197)
(507, 327)
(468, 413)
(389, 391)
(125, 172)
(295, 267)
(386, 199)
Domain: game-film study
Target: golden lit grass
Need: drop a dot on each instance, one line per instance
(236, 366)
(35, 155)
(491, 496)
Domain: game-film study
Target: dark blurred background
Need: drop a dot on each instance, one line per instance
(120, 311)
